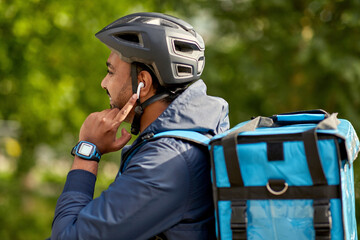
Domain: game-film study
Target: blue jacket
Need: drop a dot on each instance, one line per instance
(165, 188)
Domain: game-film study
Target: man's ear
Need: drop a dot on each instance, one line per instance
(148, 90)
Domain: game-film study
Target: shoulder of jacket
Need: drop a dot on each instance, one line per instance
(161, 149)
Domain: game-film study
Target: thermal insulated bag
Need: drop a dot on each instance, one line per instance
(289, 176)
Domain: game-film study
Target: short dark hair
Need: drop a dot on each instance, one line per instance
(173, 92)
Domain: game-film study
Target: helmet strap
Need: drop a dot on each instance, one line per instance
(134, 80)
(139, 109)
(135, 126)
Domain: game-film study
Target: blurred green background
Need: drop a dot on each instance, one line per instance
(263, 57)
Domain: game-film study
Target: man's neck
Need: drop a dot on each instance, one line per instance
(151, 113)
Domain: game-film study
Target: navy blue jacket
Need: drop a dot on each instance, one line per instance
(165, 188)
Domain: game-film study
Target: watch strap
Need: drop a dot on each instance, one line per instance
(95, 156)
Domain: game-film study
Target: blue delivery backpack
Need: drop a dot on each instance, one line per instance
(289, 176)
(286, 177)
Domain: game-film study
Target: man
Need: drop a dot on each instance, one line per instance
(163, 189)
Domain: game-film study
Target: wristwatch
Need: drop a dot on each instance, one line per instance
(87, 151)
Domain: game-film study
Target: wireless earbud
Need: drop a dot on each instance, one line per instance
(141, 85)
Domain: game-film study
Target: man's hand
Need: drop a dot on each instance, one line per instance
(100, 128)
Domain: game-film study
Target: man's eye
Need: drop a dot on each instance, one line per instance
(109, 72)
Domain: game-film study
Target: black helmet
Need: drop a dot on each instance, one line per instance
(168, 45)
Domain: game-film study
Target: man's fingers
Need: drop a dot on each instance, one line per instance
(122, 114)
(123, 140)
(111, 113)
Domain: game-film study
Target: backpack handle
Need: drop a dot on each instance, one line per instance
(309, 116)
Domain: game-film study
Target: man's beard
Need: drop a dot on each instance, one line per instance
(112, 106)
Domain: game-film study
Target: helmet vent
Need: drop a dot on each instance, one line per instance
(128, 37)
(201, 64)
(183, 70)
(166, 23)
(185, 47)
(154, 21)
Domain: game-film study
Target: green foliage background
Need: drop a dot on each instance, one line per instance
(263, 57)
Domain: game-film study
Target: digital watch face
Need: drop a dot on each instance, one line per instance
(85, 149)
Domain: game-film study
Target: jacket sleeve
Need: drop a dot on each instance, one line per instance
(148, 198)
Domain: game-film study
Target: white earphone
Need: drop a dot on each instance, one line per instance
(141, 85)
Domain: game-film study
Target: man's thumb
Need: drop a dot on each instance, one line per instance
(123, 139)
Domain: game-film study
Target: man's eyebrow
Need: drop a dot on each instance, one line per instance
(109, 65)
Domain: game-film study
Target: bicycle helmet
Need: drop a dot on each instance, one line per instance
(168, 46)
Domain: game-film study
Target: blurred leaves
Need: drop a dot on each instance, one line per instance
(277, 56)
(263, 57)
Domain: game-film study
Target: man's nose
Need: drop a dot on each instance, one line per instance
(103, 83)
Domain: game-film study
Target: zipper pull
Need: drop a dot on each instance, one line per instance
(147, 136)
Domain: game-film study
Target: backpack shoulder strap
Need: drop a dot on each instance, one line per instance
(186, 135)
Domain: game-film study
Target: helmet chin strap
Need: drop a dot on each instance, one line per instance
(139, 109)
